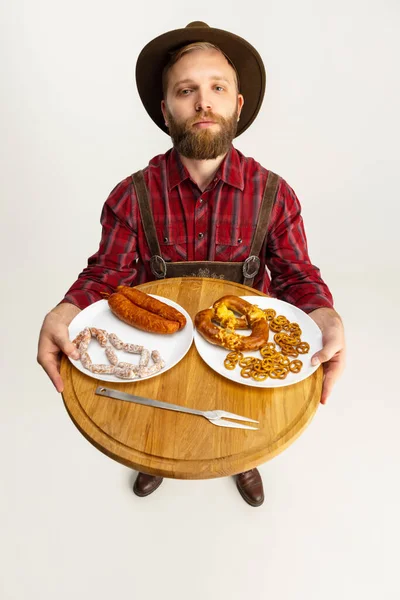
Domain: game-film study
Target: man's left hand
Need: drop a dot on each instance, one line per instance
(333, 352)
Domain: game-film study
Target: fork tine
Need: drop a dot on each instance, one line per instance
(239, 417)
(222, 423)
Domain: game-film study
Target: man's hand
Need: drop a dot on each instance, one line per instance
(333, 353)
(54, 340)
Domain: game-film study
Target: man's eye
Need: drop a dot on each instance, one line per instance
(219, 87)
(183, 92)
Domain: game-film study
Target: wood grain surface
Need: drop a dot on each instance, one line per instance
(183, 446)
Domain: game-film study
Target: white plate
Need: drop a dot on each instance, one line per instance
(172, 347)
(214, 356)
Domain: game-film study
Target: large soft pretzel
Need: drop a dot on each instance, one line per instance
(217, 324)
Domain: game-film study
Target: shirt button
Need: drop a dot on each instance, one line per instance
(240, 240)
(201, 200)
(165, 240)
(200, 236)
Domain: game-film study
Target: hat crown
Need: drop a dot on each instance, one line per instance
(197, 24)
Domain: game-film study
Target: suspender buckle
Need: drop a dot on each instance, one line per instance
(251, 266)
(158, 266)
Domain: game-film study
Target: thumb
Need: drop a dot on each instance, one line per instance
(324, 354)
(67, 346)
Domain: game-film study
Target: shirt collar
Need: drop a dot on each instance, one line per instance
(230, 170)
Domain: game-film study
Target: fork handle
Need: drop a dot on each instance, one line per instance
(110, 393)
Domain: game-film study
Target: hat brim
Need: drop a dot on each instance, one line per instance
(155, 55)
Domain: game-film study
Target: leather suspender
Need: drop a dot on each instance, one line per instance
(251, 265)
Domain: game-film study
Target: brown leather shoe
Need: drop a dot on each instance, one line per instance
(146, 484)
(250, 487)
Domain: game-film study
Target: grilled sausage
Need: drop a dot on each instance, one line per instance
(138, 317)
(152, 304)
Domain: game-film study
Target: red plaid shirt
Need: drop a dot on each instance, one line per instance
(217, 224)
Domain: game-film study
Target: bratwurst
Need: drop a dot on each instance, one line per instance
(144, 312)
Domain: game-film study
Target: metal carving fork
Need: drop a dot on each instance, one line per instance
(214, 416)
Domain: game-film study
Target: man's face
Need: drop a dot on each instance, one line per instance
(201, 106)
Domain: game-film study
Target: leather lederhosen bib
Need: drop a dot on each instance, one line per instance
(239, 272)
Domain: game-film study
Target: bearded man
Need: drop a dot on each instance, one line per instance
(195, 210)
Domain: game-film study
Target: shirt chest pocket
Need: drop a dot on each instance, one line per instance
(173, 242)
(232, 243)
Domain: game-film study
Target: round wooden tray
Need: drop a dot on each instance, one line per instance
(183, 446)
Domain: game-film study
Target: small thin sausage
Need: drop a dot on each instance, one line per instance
(144, 358)
(84, 344)
(126, 365)
(101, 335)
(155, 355)
(115, 341)
(132, 348)
(103, 369)
(146, 371)
(111, 355)
(124, 373)
(78, 338)
(86, 360)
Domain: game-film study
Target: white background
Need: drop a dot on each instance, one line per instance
(72, 127)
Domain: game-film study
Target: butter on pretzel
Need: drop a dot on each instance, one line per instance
(217, 324)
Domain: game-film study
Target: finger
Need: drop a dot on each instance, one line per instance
(51, 365)
(66, 346)
(330, 377)
(325, 354)
(49, 355)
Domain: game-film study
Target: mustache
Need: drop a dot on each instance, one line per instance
(209, 116)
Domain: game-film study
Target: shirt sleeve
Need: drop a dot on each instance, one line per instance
(293, 277)
(115, 262)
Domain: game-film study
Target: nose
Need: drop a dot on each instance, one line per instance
(202, 103)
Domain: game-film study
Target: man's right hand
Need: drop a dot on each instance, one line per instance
(54, 340)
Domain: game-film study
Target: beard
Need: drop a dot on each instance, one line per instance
(203, 144)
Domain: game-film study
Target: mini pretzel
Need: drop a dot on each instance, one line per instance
(259, 376)
(235, 355)
(267, 364)
(268, 350)
(270, 313)
(247, 361)
(278, 373)
(282, 361)
(295, 329)
(282, 320)
(259, 367)
(246, 372)
(230, 364)
(278, 338)
(295, 366)
(303, 348)
(275, 326)
(289, 350)
(286, 339)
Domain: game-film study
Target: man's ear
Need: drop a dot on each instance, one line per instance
(164, 112)
(240, 104)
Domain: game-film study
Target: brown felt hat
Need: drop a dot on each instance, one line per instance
(246, 60)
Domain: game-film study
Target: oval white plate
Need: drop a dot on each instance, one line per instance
(171, 347)
(214, 356)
